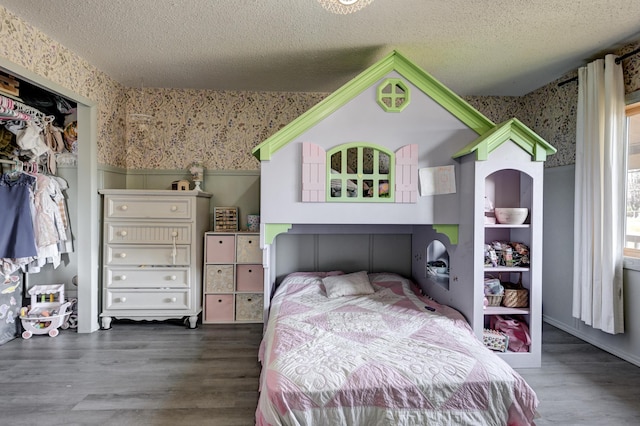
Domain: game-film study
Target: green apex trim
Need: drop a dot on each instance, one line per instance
(272, 230)
(514, 130)
(392, 62)
(451, 231)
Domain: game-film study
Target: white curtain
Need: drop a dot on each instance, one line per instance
(599, 196)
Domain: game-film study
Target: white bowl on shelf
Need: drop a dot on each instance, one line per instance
(511, 215)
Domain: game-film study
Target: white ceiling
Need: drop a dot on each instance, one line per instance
(475, 47)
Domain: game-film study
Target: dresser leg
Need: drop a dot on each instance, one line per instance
(193, 321)
(106, 323)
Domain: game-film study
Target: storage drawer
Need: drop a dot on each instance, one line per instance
(249, 307)
(218, 308)
(147, 233)
(147, 207)
(249, 249)
(147, 277)
(146, 299)
(249, 278)
(146, 255)
(219, 279)
(220, 248)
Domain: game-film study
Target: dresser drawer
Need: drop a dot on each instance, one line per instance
(249, 278)
(219, 279)
(218, 308)
(147, 207)
(248, 250)
(146, 255)
(120, 277)
(147, 233)
(220, 248)
(249, 307)
(146, 299)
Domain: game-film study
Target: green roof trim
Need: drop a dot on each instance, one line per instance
(272, 230)
(451, 231)
(513, 130)
(394, 61)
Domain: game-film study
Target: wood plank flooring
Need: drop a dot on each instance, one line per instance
(165, 374)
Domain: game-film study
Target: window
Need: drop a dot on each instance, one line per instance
(632, 238)
(393, 95)
(360, 172)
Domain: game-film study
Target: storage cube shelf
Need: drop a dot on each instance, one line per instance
(233, 278)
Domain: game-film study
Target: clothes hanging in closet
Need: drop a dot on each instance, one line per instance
(36, 231)
(17, 237)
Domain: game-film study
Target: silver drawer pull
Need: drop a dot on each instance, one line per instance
(123, 277)
(174, 208)
(174, 300)
(123, 233)
(123, 299)
(124, 207)
(173, 278)
(122, 255)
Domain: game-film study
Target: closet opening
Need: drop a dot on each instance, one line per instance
(67, 154)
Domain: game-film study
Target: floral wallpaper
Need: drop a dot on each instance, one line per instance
(171, 128)
(25, 45)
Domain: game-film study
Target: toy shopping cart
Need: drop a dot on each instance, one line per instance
(48, 311)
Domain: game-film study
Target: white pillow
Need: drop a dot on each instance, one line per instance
(347, 285)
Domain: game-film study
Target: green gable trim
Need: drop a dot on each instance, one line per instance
(451, 231)
(272, 230)
(513, 130)
(394, 61)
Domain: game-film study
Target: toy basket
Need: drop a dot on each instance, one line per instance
(494, 300)
(515, 295)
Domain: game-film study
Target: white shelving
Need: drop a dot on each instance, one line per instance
(515, 187)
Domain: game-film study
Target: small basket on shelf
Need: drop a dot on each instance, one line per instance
(493, 291)
(515, 295)
(493, 300)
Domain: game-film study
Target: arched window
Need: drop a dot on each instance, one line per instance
(360, 172)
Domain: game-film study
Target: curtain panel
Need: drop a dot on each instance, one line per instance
(599, 210)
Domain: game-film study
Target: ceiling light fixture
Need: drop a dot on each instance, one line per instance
(344, 7)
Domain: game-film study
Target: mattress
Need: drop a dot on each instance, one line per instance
(392, 357)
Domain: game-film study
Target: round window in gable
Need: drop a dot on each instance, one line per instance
(393, 95)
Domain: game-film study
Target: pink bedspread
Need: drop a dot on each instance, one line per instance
(380, 359)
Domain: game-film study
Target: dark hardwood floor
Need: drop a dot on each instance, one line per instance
(166, 374)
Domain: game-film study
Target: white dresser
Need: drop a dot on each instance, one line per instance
(152, 254)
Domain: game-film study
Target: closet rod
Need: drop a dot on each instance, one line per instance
(618, 60)
(14, 162)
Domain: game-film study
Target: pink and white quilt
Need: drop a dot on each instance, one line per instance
(380, 359)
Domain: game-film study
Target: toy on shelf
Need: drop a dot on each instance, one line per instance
(48, 311)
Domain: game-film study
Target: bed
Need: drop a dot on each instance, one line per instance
(368, 349)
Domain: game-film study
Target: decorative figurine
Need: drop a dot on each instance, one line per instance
(197, 174)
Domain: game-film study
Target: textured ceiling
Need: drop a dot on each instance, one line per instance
(490, 47)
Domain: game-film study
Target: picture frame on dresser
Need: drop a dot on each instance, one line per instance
(152, 254)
